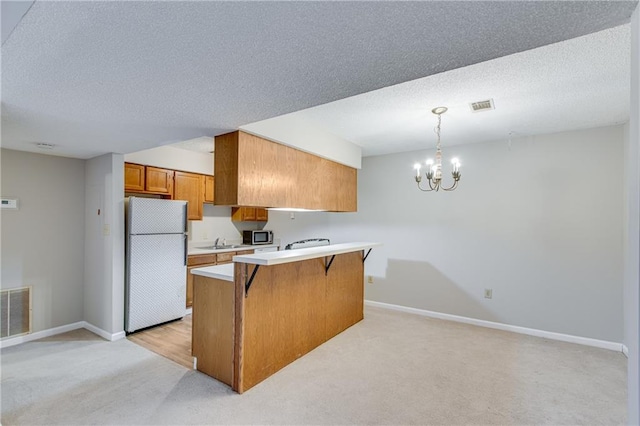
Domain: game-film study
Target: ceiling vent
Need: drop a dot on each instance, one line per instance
(42, 145)
(482, 105)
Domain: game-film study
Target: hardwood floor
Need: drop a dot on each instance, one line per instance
(171, 340)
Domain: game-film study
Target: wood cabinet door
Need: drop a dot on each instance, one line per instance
(190, 285)
(196, 261)
(243, 214)
(159, 180)
(262, 215)
(209, 184)
(188, 187)
(226, 257)
(133, 177)
(249, 213)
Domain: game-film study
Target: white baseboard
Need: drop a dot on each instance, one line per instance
(59, 330)
(619, 347)
(625, 350)
(102, 333)
(40, 334)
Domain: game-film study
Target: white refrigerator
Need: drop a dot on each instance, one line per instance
(156, 268)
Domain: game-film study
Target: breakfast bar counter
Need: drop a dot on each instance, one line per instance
(273, 308)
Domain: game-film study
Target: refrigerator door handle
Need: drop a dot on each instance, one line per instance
(185, 250)
(186, 217)
(186, 230)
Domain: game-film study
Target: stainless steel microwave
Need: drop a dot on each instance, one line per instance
(257, 237)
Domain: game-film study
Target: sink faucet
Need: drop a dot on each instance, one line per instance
(216, 243)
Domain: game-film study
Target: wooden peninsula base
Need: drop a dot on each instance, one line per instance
(246, 329)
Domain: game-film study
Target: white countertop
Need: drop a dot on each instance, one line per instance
(225, 271)
(220, 272)
(286, 256)
(196, 250)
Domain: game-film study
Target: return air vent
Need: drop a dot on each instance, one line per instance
(482, 105)
(15, 312)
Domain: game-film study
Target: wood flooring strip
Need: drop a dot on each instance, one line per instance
(171, 340)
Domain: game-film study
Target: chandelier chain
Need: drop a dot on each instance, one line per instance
(437, 130)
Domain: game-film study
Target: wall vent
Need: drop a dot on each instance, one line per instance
(482, 105)
(15, 312)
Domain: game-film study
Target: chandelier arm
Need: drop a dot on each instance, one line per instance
(452, 187)
(425, 190)
(436, 185)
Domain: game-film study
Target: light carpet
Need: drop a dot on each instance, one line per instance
(391, 368)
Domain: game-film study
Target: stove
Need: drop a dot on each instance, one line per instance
(312, 242)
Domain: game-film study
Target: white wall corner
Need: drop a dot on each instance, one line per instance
(603, 344)
(102, 333)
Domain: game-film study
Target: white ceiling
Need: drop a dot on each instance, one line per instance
(97, 77)
(575, 84)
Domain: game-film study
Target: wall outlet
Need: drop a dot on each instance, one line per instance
(488, 293)
(369, 279)
(106, 230)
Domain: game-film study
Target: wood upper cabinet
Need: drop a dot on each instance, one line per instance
(209, 186)
(188, 187)
(249, 214)
(159, 180)
(252, 171)
(148, 179)
(262, 215)
(133, 177)
(191, 187)
(243, 214)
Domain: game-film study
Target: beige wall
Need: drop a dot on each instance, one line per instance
(539, 221)
(43, 241)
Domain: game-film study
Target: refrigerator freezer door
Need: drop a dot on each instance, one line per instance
(155, 216)
(156, 280)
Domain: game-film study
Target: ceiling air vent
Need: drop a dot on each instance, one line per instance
(42, 145)
(482, 105)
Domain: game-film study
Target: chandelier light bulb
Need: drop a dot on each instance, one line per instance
(456, 164)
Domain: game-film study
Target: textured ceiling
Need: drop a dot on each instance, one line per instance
(575, 84)
(96, 77)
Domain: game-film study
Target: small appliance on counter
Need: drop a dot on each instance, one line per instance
(312, 242)
(156, 262)
(257, 237)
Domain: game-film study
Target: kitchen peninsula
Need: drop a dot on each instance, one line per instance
(253, 317)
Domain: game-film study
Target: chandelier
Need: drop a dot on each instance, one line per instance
(434, 169)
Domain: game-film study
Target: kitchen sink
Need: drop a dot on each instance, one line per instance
(221, 247)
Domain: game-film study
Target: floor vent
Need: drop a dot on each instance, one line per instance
(482, 105)
(15, 312)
